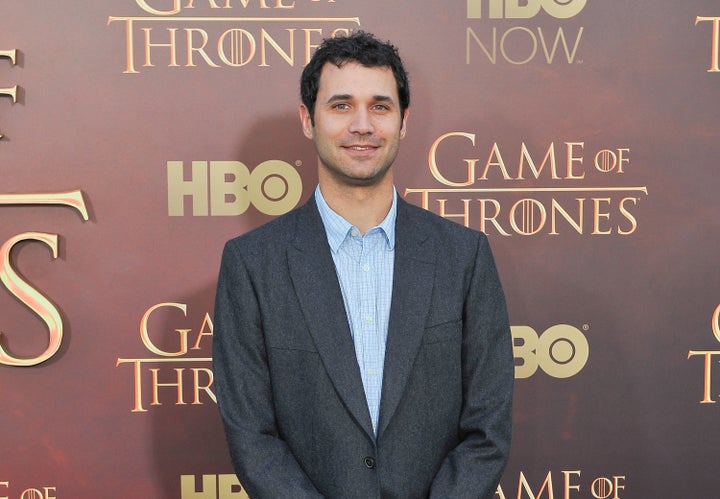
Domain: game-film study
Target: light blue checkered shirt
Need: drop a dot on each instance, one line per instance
(364, 267)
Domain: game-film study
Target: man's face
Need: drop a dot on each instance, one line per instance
(358, 124)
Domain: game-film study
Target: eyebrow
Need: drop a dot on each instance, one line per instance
(343, 97)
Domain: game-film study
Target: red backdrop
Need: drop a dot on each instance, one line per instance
(139, 135)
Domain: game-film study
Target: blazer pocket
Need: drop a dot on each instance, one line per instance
(445, 331)
(291, 339)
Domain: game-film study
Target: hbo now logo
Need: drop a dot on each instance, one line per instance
(561, 351)
(524, 9)
(228, 188)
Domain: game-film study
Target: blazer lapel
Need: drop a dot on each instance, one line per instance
(312, 271)
(412, 288)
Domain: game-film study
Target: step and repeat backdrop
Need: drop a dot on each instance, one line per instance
(139, 135)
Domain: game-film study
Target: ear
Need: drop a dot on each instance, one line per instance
(306, 121)
(403, 128)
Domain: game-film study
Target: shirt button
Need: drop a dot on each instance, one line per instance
(355, 233)
(366, 267)
(369, 462)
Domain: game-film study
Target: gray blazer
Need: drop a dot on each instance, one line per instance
(289, 387)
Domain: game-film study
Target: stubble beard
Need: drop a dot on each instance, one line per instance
(344, 176)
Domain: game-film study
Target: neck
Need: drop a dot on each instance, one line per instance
(364, 207)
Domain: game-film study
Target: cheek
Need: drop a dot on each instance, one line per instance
(328, 133)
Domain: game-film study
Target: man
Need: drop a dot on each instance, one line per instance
(362, 346)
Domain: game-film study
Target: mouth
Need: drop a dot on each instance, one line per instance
(361, 152)
(361, 147)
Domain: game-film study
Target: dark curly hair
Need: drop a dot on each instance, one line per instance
(361, 47)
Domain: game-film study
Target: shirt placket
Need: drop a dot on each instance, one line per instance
(372, 357)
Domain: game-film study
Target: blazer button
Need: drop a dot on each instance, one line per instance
(369, 462)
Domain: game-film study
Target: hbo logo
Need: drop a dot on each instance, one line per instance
(561, 351)
(519, 9)
(227, 188)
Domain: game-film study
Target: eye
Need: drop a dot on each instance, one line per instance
(341, 106)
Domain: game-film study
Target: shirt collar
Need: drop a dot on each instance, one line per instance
(337, 228)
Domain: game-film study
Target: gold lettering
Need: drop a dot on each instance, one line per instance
(547, 483)
(493, 219)
(432, 161)
(198, 387)
(150, 10)
(10, 54)
(524, 9)
(265, 37)
(525, 155)
(564, 9)
(568, 486)
(200, 50)
(170, 45)
(533, 43)
(188, 487)
(495, 9)
(206, 388)
(309, 46)
(178, 384)
(577, 225)
(228, 188)
(573, 159)
(597, 215)
(514, 10)
(207, 323)
(31, 297)
(492, 56)
(629, 216)
(707, 397)
(129, 43)
(196, 188)
(145, 336)
(622, 159)
(495, 153)
(26, 293)
(279, 4)
(234, 47)
(229, 487)
(212, 3)
(465, 215)
(715, 46)
(236, 39)
(525, 341)
(528, 225)
(72, 199)
(9, 91)
(137, 386)
(550, 55)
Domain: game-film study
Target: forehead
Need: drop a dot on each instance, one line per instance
(354, 79)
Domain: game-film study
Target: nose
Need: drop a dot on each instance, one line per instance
(361, 122)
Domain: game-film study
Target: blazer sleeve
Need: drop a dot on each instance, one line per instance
(262, 461)
(474, 467)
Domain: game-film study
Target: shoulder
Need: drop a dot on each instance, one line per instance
(276, 233)
(446, 232)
